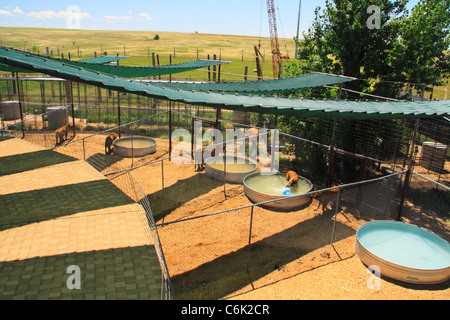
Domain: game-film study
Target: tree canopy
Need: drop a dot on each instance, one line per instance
(378, 40)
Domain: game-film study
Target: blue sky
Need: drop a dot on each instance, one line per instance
(236, 17)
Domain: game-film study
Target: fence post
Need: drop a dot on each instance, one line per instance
(334, 222)
(162, 174)
(335, 214)
(408, 173)
(248, 251)
(69, 93)
(20, 105)
(170, 130)
(84, 151)
(118, 112)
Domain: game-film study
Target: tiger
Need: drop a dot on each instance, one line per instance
(199, 156)
(109, 148)
(292, 178)
(61, 134)
(327, 197)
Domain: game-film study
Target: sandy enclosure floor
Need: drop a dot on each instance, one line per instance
(204, 252)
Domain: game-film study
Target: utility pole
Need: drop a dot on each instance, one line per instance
(298, 29)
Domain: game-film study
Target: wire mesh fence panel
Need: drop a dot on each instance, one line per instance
(284, 241)
(218, 240)
(207, 256)
(374, 199)
(427, 205)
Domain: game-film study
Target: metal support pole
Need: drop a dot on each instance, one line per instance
(19, 93)
(118, 112)
(331, 156)
(408, 173)
(170, 130)
(70, 100)
(298, 29)
(224, 174)
(248, 252)
(162, 174)
(84, 151)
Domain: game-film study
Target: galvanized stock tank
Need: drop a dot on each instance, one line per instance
(10, 110)
(260, 187)
(403, 252)
(135, 146)
(236, 168)
(57, 116)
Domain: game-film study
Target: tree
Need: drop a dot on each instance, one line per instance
(340, 40)
(421, 54)
(407, 48)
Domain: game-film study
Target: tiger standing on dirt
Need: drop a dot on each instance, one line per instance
(327, 197)
(61, 134)
(109, 148)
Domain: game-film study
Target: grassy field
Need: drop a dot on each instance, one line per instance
(140, 45)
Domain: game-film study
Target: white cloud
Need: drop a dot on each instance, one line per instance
(146, 15)
(69, 14)
(47, 14)
(17, 10)
(5, 13)
(117, 17)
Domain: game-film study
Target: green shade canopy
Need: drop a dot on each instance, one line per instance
(133, 72)
(7, 68)
(136, 72)
(259, 87)
(103, 60)
(267, 105)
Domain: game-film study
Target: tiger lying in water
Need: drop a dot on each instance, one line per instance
(109, 148)
(61, 134)
(292, 178)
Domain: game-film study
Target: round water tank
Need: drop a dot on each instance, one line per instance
(239, 117)
(57, 116)
(10, 110)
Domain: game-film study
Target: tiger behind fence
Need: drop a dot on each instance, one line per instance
(61, 134)
(327, 197)
(199, 155)
(109, 148)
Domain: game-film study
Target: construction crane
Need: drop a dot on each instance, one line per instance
(274, 37)
(276, 55)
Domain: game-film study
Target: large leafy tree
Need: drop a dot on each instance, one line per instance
(409, 48)
(340, 40)
(420, 54)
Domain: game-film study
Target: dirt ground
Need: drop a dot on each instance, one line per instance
(211, 253)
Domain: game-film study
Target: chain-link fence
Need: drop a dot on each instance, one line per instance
(216, 240)
(223, 253)
(427, 205)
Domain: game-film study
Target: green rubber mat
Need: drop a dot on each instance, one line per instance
(124, 273)
(21, 208)
(31, 160)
